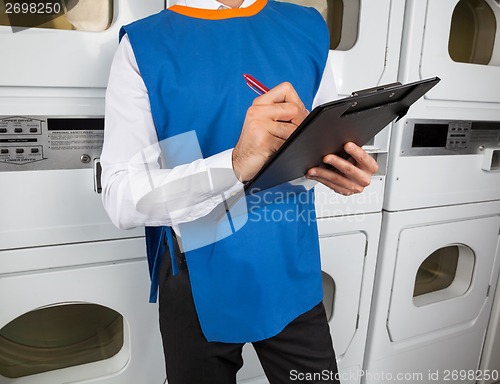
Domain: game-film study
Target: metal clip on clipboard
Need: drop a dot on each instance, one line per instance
(376, 89)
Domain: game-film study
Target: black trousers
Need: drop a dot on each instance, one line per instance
(302, 352)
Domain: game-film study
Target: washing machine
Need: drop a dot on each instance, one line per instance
(73, 288)
(365, 43)
(438, 257)
(63, 44)
(365, 52)
(434, 290)
(458, 41)
(75, 313)
(348, 256)
(446, 149)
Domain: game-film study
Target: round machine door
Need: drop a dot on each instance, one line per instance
(60, 336)
(440, 270)
(461, 45)
(78, 313)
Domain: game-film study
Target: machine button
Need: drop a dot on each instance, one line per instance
(33, 130)
(18, 130)
(3, 130)
(4, 151)
(34, 150)
(19, 150)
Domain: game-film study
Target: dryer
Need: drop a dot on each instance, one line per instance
(436, 274)
(359, 30)
(73, 288)
(348, 247)
(78, 313)
(350, 226)
(69, 44)
(458, 41)
(348, 255)
(439, 239)
(61, 260)
(446, 149)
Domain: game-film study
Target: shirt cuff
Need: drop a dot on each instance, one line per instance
(222, 177)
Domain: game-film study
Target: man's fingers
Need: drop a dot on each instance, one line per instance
(351, 171)
(271, 119)
(281, 112)
(336, 181)
(347, 177)
(363, 160)
(281, 130)
(282, 93)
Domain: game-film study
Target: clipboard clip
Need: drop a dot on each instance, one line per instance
(376, 89)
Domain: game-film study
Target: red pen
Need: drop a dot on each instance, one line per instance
(255, 85)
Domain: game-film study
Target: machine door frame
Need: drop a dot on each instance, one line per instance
(405, 318)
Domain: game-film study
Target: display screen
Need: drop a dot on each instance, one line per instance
(427, 135)
(76, 124)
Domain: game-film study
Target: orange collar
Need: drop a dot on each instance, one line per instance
(215, 14)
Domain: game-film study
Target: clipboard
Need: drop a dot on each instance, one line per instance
(329, 126)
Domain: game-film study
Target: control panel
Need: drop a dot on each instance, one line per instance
(43, 143)
(445, 137)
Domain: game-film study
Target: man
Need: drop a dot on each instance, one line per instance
(179, 72)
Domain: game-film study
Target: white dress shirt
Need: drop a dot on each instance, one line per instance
(130, 158)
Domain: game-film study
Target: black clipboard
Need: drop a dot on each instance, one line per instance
(328, 127)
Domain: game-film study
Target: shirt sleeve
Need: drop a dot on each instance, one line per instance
(136, 190)
(327, 90)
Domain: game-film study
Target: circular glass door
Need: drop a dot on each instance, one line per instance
(59, 336)
(472, 33)
(446, 273)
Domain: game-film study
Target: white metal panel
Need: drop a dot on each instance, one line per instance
(373, 59)
(331, 204)
(490, 358)
(29, 260)
(118, 286)
(56, 58)
(53, 207)
(342, 257)
(460, 81)
(405, 319)
(349, 254)
(429, 181)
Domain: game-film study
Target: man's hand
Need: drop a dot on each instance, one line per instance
(349, 177)
(268, 123)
